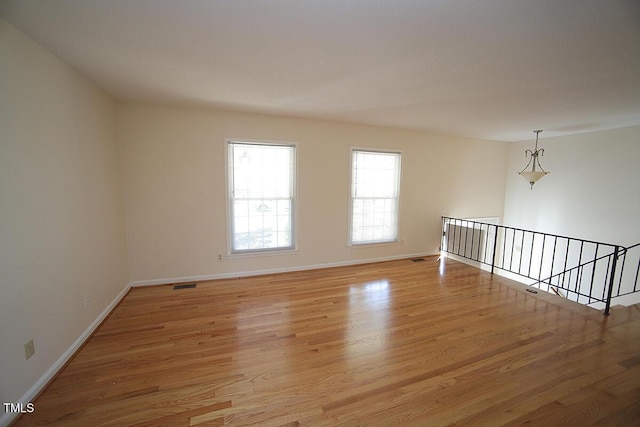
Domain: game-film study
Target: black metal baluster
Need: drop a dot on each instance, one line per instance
(635, 282)
(455, 233)
(533, 241)
(606, 276)
(566, 255)
(479, 247)
(578, 281)
(486, 243)
(513, 246)
(473, 239)
(466, 237)
(624, 259)
(544, 238)
(612, 279)
(593, 272)
(504, 244)
(495, 245)
(553, 256)
(579, 263)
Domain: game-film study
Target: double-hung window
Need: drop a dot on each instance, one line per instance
(261, 196)
(375, 191)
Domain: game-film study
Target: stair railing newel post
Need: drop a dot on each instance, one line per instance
(611, 280)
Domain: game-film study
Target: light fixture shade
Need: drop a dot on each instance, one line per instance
(533, 177)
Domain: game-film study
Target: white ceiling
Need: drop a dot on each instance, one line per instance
(494, 69)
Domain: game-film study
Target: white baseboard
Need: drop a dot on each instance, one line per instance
(9, 417)
(166, 281)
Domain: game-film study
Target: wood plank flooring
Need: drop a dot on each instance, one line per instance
(400, 342)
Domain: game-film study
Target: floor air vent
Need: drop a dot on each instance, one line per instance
(418, 259)
(189, 286)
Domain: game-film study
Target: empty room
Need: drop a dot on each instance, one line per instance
(319, 213)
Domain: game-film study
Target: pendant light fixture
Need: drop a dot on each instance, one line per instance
(534, 174)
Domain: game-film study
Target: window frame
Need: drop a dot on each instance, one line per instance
(352, 151)
(229, 169)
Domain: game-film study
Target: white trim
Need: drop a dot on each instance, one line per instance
(9, 417)
(374, 244)
(262, 253)
(166, 281)
(486, 219)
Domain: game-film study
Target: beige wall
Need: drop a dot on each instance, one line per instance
(175, 192)
(62, 232)
(591, 193)
(62, 216)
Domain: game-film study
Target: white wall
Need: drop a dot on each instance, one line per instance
(174, 182)
(592, 191)
(62, 233)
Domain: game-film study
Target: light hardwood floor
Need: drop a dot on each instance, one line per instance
(400, 342)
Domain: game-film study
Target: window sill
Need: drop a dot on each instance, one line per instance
(258, 254)
(373, 244)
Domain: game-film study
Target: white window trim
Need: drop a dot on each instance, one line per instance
(260, 252)
(398, 240)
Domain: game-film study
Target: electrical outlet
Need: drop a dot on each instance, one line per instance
(219, 257)
(29, 349)
(87, 300)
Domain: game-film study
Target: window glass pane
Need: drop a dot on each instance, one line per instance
(375, 190)
(241, 241)
(261, 180)
(375, 174)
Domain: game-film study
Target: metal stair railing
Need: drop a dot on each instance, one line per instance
(589, 268)
(626, 278)
(565, 279)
